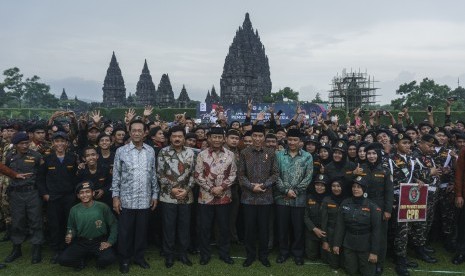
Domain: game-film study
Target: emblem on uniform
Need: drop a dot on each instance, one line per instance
(358, 178)
(414, 194)
(340, 144)
(321, 177)
(98, 223)
(85, 185)
(312, 137)
(400, 136)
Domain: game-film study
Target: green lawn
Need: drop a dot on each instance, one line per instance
(23, 266)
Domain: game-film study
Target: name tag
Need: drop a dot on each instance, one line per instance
(366, 209)
(69, 167)
(379, 175)
(332, 205)
(51, 168)
(311, 202)
(29, 161)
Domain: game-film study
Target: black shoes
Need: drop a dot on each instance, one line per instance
(281, 259)
(36, 254)
(124, 268)
(185, 261)
(299, 260)
(401, 267)
(248, 262)
(227, 260)
(423, 255)
(458, 259)
(265, 262)
(143, 264)
(204, 260)
(169, 262)
(428, 249)
(15, 253)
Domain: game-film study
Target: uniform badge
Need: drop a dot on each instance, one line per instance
(340, 144)
(321, 177)
(400, 136)
(358, 178)
(414, 194)
(98, 223)
(436, 129)
(85, 185)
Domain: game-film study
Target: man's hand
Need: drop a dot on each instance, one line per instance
(258, 188)
(373, 258)
(104, 245)
(148, 111)
(68, 238)
(153, 204)
(23, 175)
(291, 194)
(98, 193)
(336, 250)
(319, 233)
(46, 197)
(249, 105)
(386, 216)
(217, 191)
(325, 247)
(435, 171)
(117, 205)
(95, 115)
(261, 116)
(459, 202)
(181, 194)
(358, 170)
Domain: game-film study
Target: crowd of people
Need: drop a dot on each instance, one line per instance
(324, 189)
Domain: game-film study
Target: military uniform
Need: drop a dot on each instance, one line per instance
(358, 232)
(6, 149)
(329, 211)
(25, 204)
(312, 219)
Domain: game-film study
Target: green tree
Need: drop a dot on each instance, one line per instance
(419, 96)
(317, 98)
(14, 84)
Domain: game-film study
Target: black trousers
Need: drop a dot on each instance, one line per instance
(80, 249)
(57, 219)
(207, 214)
(256, 220)
(175, 221)
(290, 217)
(461, 230)
(26, 217)
(132, 234)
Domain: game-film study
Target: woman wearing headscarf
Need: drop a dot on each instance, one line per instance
(329, 211)
(357, 231)
(341, 167)
(312, 218)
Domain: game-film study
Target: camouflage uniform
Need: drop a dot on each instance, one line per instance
(446, 194)
(425, 164)
(403, 171)
(5, 148)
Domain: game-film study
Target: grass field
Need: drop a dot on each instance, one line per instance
(23, 266)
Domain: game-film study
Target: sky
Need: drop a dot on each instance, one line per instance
(68, 44)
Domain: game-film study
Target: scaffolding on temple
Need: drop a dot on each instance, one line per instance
(352, 90)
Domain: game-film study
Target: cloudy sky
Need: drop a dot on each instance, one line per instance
(69, 43)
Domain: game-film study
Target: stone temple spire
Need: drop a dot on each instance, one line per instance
(114, 91)
(246, 71)
(214, 96)
(208, 98)
(63, 96)
(183, 99)
(145, 91)
(165, 95)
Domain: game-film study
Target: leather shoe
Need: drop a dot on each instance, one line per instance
(184, 260)
(248, 262)
(142, 263)
(169, 262)
(124, 268)
(458, 259)
(299, 261)
(227, 260)
(428, 249)
(204, 260)
(15, 253)
(281, 259)
(410, 264)
(422, 255)
(265, 262)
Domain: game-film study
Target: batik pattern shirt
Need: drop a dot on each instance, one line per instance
(134, 176)
(176, 170)
(295, 173)
(215, 169)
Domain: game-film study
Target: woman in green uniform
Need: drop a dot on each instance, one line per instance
(312, 218)
(357, 231)
(329, 211)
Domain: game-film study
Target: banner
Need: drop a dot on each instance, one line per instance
(206, 113)
(412, 202)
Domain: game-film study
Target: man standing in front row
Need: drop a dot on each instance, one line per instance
(175, 172)
(135, 192)
(258, 172)
(290, 194)
(215, 172)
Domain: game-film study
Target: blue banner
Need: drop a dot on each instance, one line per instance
(208, 113)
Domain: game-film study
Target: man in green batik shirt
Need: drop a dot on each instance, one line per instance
(92, 230)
